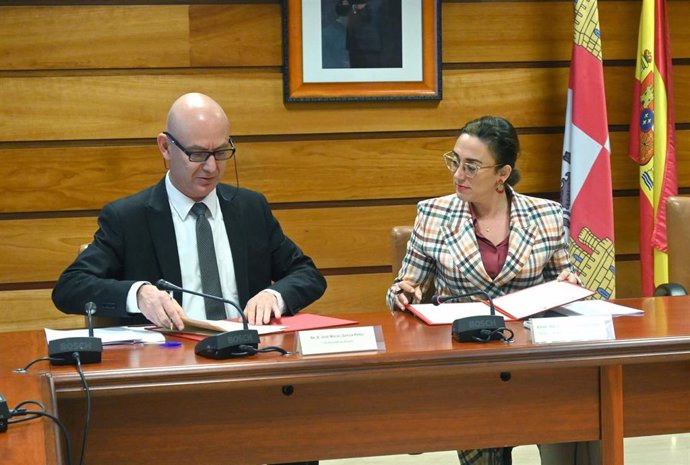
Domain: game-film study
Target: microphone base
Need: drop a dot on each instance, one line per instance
(471, 327)
(4, 414)
(228, 344)
(61, 351)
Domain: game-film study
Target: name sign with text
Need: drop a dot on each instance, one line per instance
(338, 340)
(572, 329)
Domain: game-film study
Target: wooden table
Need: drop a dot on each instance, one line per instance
(424, 393)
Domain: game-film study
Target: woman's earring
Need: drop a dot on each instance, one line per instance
(500, 186)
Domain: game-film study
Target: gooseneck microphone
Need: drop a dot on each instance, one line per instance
(90, 309)
(480, 328)
(164, 285)
(230, 344)
(438, 300)
(67, 350)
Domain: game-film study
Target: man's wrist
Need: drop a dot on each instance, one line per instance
(133, 296)
(279, 298)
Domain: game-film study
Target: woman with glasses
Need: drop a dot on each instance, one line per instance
(485, 237)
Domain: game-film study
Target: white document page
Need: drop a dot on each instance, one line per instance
(596, 307)
(536, 299)
(448, 312)
(226, 325)
(110, 336)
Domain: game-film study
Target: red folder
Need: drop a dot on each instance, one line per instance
(304, 321)
(515, 306)
(299, 322)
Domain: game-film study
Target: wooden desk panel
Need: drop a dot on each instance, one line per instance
(656, 398)
(335, 416)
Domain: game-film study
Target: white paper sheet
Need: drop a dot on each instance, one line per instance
(536, 299)
(449, 312)
(110, 336)
(226, 325)
(596, 307)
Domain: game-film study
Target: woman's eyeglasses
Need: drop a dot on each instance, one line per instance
(470, 169)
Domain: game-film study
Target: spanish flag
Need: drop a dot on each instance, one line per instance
(653, 141)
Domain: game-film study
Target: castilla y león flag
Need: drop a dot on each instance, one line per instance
(586, 170)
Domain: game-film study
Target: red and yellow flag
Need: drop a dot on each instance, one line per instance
(652, 140)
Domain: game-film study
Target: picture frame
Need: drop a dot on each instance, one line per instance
(361, 50)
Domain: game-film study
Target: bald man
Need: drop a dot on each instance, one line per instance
(151, 235)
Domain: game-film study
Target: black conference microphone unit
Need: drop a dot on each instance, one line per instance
(482, 328)
(5, 414)
(62, 351)
(230, 344)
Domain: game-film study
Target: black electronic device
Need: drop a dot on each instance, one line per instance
(230, 344)
(62, 351)
(480, 328)
(4, 414)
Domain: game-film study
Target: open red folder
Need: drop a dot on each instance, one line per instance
(515, 306)
(298, 322)
(304, 321)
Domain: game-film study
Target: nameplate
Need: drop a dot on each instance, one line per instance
(572, 329)
(337, 340)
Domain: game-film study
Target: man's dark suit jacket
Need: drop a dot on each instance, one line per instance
(136, 242)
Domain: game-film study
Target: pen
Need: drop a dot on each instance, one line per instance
(170, 344)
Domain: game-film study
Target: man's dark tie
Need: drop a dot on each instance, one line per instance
(210, 280)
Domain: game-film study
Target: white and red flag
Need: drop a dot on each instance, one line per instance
(586, 192)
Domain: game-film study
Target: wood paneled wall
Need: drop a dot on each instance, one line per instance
(84, 89)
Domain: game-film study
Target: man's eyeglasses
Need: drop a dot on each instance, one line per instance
(200, 156)
(470, 169)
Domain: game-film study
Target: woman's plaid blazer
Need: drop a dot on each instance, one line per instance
(443, 248)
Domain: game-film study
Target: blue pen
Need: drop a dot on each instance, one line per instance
(170, 344)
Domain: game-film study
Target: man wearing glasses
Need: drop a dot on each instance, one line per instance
(193, 231)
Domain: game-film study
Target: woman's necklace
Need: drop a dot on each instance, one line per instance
(497, 222)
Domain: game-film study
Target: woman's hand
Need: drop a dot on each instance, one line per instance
(566, 275)
(404, 292)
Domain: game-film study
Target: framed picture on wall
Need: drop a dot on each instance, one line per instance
(338, 50)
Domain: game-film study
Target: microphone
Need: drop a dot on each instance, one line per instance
(90, 309)
(479, 328)
(65, 351)
(230, 344)
(438, 300)
(164, 285)
(5, 414)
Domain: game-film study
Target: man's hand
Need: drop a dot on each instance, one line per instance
(405, 292)
(159, 307)
(261, 307)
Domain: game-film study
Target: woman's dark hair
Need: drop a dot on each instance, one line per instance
(501, 138)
